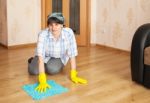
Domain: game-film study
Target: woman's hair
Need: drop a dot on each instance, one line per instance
(55, 18)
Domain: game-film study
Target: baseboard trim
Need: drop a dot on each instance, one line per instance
(19, 46)
(92, 44)
(3, 45)
(104, 46)
(34, 45)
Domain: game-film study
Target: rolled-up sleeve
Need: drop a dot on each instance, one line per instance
(40, 51)
(72, 50)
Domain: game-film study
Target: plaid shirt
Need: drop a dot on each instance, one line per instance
(64, 48)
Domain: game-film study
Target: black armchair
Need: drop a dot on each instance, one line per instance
(140, 73)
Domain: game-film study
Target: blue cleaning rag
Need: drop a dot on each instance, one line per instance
(56, 89)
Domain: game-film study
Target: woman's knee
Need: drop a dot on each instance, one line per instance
(53, 70)
(33, 66)
(54, 66)
(33, 71)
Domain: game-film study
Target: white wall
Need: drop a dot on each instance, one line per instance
(24, 21)
(113, 22)
(117, 20)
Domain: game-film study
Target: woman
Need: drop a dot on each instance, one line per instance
(55, 46)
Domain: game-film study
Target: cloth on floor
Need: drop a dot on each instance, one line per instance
(55, 89)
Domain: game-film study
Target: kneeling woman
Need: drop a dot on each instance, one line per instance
(55, 46)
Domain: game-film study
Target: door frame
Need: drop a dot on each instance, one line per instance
(88, 38)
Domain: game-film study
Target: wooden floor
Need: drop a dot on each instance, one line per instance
(107, 70)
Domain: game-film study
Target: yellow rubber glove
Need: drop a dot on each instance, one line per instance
(43, 85)
(76, 79)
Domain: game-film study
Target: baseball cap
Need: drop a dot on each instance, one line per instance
(56, 17)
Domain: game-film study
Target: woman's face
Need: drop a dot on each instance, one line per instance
(55, 28)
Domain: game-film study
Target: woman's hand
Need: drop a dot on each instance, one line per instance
(43, 85)
(76, 79)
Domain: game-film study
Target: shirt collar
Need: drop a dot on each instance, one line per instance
(51, 35)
